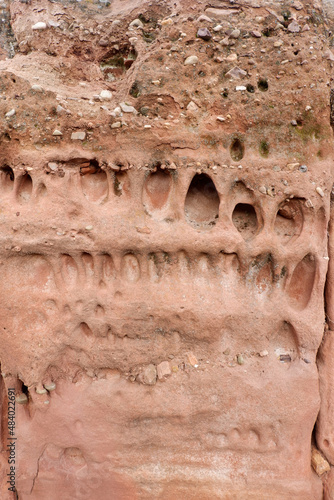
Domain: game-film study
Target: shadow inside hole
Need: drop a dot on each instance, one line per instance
(117, 61)
(25, 188)
(7, 177)
(250, 88)
(264, 149)
(202, 202)
(245, 220)
(237, 150)
(289, 220)
(94, 181)
(121, 183)
(263, 84)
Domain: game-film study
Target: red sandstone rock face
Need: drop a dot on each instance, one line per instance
(164, 209)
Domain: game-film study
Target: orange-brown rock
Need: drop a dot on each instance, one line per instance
(166, 173)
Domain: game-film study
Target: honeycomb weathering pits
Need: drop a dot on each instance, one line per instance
(166, 220)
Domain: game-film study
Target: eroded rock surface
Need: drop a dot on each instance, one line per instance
(165, 203)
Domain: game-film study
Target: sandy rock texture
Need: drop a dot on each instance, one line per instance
(167, 249)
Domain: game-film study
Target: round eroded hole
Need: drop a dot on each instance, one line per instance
(202, 202)
(263, 84)
(289, 220)
(157, 188)
(237, 150)
(245, 220)
(264, 149)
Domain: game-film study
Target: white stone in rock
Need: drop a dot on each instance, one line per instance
(10, 113)
(57, 132)
(127, 109)
(136, 23)
(116, 125)
(105, 95)
(191, 60)
(39, 26)
(37, 88)
(192, 107)
(78, 136)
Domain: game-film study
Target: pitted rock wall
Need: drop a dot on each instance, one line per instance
(166, 225)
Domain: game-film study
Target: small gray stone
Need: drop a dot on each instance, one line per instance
(149, 375)
(204, 33)
(78, 136)
(235, 34)
(303, 168)
(136, 23)
(236, 73)
(127, 109)
(294, 27)
(163, 370)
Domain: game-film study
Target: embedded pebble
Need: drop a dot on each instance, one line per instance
(231, 57)
(136, 23)
(192, 107)
(37, 88)
(10, 113)
(328, 54)
(256, 34)
(167, 22)
(318, 462)
(57, 132)
(303, 168)
(127, 109)
(191, 60)
(116, 125)
(218, 28)
(294, 27)
(240, 87)
(320, 191)
(40, 390)
(78, 136)
(240, 359)
(203, 17)
(236, 73)
(235, 34)
(204, 33)
(105, 95)
(263, 189)
(163, 370)
(50, 386)
(21, 399)
(148, 375)
(192, 360)
(278, 44)
(39, 26)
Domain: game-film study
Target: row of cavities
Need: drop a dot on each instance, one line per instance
(104, 270)
(201, 206)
